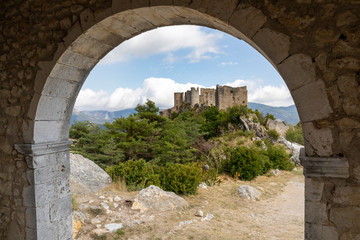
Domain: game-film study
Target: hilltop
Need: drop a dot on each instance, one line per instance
(287, 114)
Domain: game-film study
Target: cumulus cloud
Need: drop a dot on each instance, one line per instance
(168, 40)
(266, 94)
(161, 91)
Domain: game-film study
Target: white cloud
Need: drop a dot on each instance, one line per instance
(167, 40)
(266, 94)
(161, 91)
(228, 63)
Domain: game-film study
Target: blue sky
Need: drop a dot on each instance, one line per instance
(159, 62)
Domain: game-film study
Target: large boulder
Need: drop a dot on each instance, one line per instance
(154, 198)
(85, 176)
(248, 192)
(294, 148)
(277, 125)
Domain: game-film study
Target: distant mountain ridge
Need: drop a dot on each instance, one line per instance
(287, 114)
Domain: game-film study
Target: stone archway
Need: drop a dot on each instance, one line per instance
(35, 194)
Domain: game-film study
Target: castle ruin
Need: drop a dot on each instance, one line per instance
(222, 97)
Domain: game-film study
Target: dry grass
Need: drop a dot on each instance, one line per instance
(278, 214)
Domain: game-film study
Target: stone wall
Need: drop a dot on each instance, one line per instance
(178, 100)
(207, 96)
(47, 48)
(228, 96)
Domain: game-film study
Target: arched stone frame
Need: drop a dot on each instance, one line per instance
(45, 132)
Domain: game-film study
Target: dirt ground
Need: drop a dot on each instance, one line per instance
(279, 214)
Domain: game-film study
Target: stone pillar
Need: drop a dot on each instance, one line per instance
(47, 199)
(332, 200)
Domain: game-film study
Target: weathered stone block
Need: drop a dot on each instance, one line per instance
(103, 35)
(346, 218)
(312, 101)
(297, 70)
(60, 209)
(320, 232)
(274, 44)
(313, 189)
(153, 17)
(114, 25)
(247, 20)
(61, 71)
(77, 60)
(347, 195)
(315, 212)
(53, 108)
(317, 140)
(90, 47)
(50, 131)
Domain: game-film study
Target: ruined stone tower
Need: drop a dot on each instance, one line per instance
(222, 97)
(228, 96)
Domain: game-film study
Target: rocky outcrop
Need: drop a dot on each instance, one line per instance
(294, 148)
(86, 176)
(277, 125)
(154, 198)
(248, 192)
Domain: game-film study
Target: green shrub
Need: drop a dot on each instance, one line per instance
(294, 134)
(246, 163)
(180, 178)
(273, 134)
(137, 174)
(279, 158)
(210, 177)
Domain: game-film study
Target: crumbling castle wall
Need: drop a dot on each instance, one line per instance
(228, 96)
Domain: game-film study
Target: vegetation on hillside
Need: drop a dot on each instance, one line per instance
(294, 134)
(146, 148)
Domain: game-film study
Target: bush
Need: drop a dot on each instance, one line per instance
(294, 134)
(180, 178)
(279, 158)
(246, 163)
(136, 174)
(273, 134)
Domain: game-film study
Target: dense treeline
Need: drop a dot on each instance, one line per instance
(146, 148)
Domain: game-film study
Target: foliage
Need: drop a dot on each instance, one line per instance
(137, 174)
(294, 134)
(246, 163)
(273, 134)
(180, 178)
(279, 158)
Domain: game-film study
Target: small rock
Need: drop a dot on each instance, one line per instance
(99, 231)
(137, 221)
(112, 227)
(199, 213)
(102, 197)
(275, 172)
(95, 221)
(208, 217)
(187, 222)
(91, 201)
(260, 188)
(203, 185)
(155, 198)
(110, 199)
(248, 192)
(115, 205)
(105, 206)
(117, 199)
(83, 206)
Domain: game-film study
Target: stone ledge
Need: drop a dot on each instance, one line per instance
(330, 167)
(39, 149)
